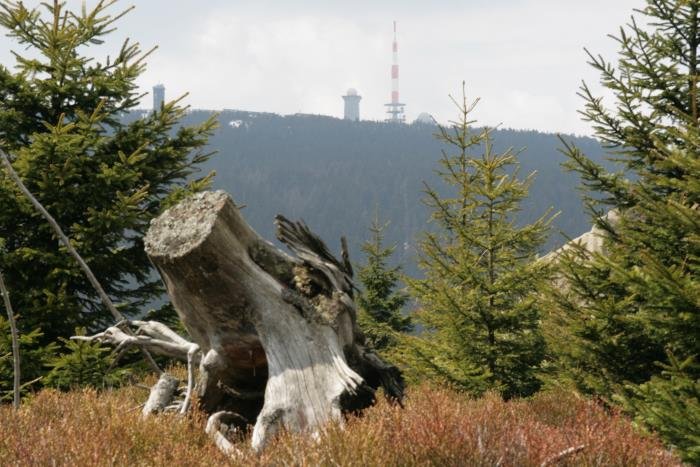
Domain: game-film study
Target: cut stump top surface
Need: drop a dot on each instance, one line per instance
(184, 226)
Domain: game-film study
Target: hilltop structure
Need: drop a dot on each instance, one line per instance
(352, 105)
(158, 97)
(424, 118)
(395, 108)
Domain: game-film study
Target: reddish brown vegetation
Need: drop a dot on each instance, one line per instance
(437, 427)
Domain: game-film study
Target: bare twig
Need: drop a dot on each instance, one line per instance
(158, 330)
(154, 337)
(213, 430)
(134, 409)
(15, 341)
(561, 455)
(66, 242)
(161, 340)
(191, 353)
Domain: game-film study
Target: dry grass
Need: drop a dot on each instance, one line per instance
(437, 427)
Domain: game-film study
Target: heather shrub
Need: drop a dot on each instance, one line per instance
(436, 427)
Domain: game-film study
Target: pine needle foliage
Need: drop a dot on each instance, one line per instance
(62, 123)
(478, 302)
(670, 404)
(380, 304)
(34, 359)
(629, 312)
(84, 364)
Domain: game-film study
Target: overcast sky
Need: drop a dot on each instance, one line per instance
(524, 58)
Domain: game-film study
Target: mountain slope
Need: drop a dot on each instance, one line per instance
(334, 173)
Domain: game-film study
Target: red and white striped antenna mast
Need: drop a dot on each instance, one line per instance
(395, 108)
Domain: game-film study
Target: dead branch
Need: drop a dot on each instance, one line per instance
(561, 455)
(158, 339)
(162, 394)
(150, 338)
(217, 430)
(66, 242)
(15, 342)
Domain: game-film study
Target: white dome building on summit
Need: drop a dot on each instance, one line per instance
(425, 118)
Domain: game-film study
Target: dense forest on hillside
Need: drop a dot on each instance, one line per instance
(334, 173)
(588, 355)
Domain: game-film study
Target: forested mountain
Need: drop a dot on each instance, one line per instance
(333, 173)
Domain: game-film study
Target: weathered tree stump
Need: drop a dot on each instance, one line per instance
(278, 334)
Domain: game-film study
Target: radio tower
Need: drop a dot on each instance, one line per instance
(395, 108)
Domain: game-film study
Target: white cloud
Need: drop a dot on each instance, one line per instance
(523, 57)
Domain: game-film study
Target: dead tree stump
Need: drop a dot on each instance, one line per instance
(278, 334)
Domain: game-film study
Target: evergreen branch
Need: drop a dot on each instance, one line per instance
(663, 12)
(106, 301)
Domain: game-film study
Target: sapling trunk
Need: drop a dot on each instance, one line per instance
(15, 342)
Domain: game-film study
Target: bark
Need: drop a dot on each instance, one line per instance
(15, 343)
(278, 334)
(218, 429)
(162, 394)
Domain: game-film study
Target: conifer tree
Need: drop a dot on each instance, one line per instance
(103, 176)
(628, 313)
(478, 300)
(380, 304)
(85, 364)
(670, 404)
(35, 357)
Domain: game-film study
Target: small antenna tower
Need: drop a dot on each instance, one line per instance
(395, 108)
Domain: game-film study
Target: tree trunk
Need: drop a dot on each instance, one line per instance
(278, 334)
